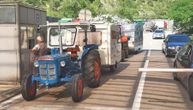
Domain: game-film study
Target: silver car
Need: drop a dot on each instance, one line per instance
(158, 33)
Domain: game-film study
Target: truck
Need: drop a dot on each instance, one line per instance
(18, 31)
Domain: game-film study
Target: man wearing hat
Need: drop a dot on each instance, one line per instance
(40, 48)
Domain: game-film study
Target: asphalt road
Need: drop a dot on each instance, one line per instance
(119, 90)
(153, 44)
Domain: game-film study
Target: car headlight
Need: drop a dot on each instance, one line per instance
(172, 47)
(62, 63)
(36, 64)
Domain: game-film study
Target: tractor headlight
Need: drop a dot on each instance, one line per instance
(36, 64)
(62, 63)
(172, 47)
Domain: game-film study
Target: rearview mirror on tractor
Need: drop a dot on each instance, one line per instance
(93, 28)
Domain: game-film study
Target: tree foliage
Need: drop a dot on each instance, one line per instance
(182, 12)
(179, 10)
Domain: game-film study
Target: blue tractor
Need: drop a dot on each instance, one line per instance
(63, 65)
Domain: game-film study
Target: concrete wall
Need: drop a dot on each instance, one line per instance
(14, 42)
(9, 56)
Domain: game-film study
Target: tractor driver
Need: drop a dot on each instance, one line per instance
(40, 48)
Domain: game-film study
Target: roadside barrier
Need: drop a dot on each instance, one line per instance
(168, 70)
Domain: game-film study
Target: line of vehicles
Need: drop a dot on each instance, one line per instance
(78, 50)
(180, 46)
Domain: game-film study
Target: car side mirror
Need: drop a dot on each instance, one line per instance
(178, 48)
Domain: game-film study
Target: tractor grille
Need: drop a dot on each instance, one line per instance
(47, 72)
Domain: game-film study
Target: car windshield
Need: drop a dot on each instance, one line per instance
(179, 39)
(68, 36)
(159, 31)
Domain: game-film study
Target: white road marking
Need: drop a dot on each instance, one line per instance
(169, 70)
(4, 104)
(149, 53)
(138, 95)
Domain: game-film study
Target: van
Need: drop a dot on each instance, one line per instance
(135, 31)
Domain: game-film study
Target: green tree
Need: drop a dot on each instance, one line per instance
(96, 7)
(182, 12)
(127, 9)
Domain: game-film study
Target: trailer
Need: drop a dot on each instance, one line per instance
(135, 32)
(18, 25)
(110, 44)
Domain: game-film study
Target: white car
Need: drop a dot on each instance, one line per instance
(159, 33)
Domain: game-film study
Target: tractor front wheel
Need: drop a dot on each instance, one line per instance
(92, 68)
(28, 89)
(77, 88)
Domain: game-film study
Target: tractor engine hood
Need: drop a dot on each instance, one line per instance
(54, 57)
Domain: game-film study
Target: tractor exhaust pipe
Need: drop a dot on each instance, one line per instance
(60, 39)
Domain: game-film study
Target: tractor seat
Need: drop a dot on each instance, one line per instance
(73, 51)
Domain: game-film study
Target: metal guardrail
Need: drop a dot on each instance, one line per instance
(165, 70)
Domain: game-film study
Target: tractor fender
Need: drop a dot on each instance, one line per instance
(87, 49)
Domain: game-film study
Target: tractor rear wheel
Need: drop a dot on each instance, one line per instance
(91, 67)
(77, 88)
(28, 89)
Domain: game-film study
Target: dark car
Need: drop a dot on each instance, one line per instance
(184, 59)
(173, 42)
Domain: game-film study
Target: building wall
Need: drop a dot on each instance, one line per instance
(9, 64)
(16, 41)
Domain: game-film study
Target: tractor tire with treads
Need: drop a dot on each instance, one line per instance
(91, 67)
(28, 88)
(77, 88)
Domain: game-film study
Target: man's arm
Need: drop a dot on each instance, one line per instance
(36, 48)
